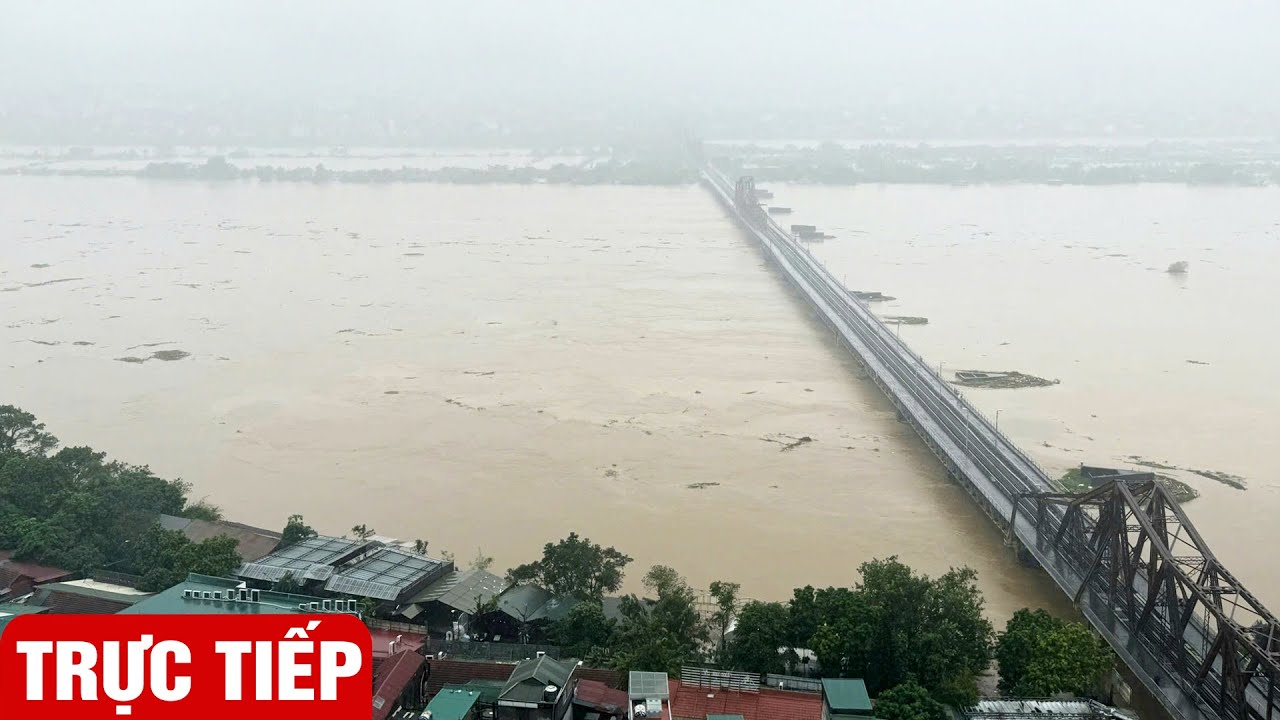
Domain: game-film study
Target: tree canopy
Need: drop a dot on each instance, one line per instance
(75, 509)
(295, 530)
(896, 626)
(760, 632)
(1041, 655)
(908, 701)
(575, 567)
(660, 634)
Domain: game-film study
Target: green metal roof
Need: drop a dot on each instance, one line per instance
(489, 689)
(172, 601)
(452, 704)
(9, 611)
(531, 677)
(724, 717)
(846, 695)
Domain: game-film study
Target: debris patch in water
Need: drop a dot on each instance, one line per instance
(999, 379)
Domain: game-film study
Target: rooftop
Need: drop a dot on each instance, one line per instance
(600, 697)
(313, 558)
(251, 542)
(453, 704)
(86, 597)
(394, 675)
(1075, 709)
(696, 703)
(9, 611)
(18, 577)
(173, 602)
(528, 603)
(462, 590)
(386, 574)
(489, 690)
(645, 685)
(847, 695)
(530, 679)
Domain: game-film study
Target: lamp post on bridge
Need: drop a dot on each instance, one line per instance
(997, 420)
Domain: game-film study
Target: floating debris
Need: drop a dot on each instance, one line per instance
(1002, 379)
(1197, 362)
(702, 485)
(905, 320)
(162, 355)
(41, 266)
(1228, 479)
(868, 296)
(1178, 268)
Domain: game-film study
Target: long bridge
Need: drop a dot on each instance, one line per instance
(1125, 552)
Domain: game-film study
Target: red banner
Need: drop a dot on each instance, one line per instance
(184, 666)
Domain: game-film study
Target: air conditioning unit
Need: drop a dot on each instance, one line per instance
(326, 605)
(242, 595)
(315, 606)
(541, 654)
(205, 595)
(255, 596)
(186, 594)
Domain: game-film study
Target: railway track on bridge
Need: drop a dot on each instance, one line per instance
(1173, 632)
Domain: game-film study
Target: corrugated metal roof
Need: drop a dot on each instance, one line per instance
(1068, 709)
(385, 575)
(531, 677)
(528, 603)
(313, 558)
(463, 590)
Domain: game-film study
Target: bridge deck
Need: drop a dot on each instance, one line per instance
(985, 462)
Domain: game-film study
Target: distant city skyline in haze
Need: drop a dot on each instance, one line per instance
(579, 72)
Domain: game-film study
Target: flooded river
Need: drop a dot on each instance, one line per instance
(494, 366)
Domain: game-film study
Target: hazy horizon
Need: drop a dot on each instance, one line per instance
(558, 71)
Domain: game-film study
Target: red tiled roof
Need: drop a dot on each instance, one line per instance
(599, 696)
(445, 672)
(393, 678)
(17, 578)
(696, 703)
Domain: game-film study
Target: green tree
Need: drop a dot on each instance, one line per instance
(481, 561)
(1041, 655)
(73, 508)
(908, 701)
(420, 546)
(362, 531)
(20, 433)
(1016, 648)
(202, 510)
(295, 530)
(725, 595)
(164, 558)
(760, 632)
(585, 631)
(661, 634)
(574, 567)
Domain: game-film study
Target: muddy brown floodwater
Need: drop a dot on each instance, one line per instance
(484, 367)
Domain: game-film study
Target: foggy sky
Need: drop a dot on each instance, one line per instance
(495, 59)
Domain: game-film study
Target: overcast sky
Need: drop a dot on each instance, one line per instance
(558, 55)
